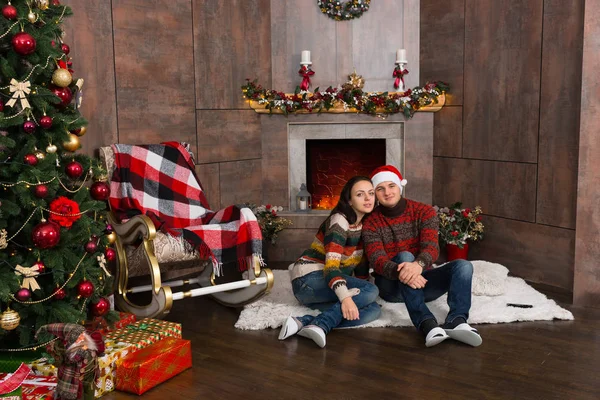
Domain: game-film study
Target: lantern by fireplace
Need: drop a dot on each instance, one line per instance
(303, 199)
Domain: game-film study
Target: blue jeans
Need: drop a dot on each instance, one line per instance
(312, 291)
(453, 278)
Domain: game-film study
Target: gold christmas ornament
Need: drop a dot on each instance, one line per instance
(72, 144)
(32, 17)
(81, 131)
(112, 237)
(51, 149)
(39, 155)
(43, 4)
(62, 77)
(9, 320)
(355, 81)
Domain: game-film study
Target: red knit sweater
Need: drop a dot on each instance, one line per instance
(410, 226)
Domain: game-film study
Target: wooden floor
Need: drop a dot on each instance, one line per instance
(527, 360)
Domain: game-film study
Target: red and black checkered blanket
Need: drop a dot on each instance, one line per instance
(160, 181)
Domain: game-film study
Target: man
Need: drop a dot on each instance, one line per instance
(401, 242)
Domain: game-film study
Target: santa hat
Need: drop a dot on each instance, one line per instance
(387, 173)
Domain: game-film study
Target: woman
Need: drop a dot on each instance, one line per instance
(322, 277)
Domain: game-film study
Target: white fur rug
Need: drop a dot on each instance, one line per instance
(271, 310)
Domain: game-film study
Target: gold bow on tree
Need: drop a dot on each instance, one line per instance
(29, 274)
(102, 262)
(3, 242)
(19, 90)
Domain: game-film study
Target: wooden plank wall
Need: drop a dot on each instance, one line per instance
(509, 139)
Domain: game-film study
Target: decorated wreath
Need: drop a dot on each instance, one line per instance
(343, 10)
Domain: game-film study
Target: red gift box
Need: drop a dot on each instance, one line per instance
(36, 387)
(124, 320)
(152, 365)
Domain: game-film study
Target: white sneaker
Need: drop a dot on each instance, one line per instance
(435, 336)
(466, 334)
(290, 327)
(315, 333)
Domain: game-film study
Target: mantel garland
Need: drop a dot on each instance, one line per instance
(353, 99)
(343, 11)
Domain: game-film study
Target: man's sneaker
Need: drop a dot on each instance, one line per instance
(435, 336)
(466, 334)
(290, 327)
(315, 333)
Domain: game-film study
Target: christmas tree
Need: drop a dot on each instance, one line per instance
(54, 242)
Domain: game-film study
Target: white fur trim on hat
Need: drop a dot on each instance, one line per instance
(385, 176)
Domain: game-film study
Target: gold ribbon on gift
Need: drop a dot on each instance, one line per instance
(29, 274)
(19, 90)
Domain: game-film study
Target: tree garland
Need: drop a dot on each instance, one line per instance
(343, 11)
(351, 98)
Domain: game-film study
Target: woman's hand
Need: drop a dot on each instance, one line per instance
(349, 309)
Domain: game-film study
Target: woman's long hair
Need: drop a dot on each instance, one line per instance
(343, 206)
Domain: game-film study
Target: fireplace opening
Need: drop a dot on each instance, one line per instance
(331, 162)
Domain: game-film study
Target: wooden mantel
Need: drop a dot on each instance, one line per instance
(338, 108)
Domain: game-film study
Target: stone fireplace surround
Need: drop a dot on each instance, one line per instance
(409, 146)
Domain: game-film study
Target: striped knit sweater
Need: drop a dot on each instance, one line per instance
(338, 249)
(410, 226)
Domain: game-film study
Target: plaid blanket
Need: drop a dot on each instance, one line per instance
(160, 181)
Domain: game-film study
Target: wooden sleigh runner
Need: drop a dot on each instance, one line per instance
(144, 250)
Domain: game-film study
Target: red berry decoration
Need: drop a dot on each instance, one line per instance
(9, 12)
(59, 294)
(30, 159)
(101, 307)
(23, 294)
(46, 122)
(110, 254)
(85, 288)
(23, 43)
(29, 127)
(40, 191)
(64, 94)
(91, 246)
(46, 235)
(100, 191)
(41, 267)
(65, 48)
(74, 170)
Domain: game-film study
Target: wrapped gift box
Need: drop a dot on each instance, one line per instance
(164, 328)
(153, 365)
(42, 367)
(39, 387)
(107, 365)
(146, 332)
(101, 325)
(124, 320)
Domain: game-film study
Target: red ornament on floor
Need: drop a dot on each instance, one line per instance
(456, 253)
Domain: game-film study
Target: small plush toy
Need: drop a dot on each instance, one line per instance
(76, 356)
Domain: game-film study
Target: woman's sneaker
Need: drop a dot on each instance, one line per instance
(290, 327)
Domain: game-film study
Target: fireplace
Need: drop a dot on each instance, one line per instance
(357, 147)
(331, 162)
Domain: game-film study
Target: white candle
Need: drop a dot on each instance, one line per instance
(305, 57)
(401, 56)
(302, 204)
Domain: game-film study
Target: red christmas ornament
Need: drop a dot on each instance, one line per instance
(9, 12)
(110, 254)
(1, 106)
(46, 122)
(56, 2)
(91, 246)
(100, 191)
(40, 191)
(29, 127)
(64, 94)
(46, 235)
(30, 159)
(101, 307)
(74, 170)
(65, 48)
(23, 294)
(59, 294)
(85, 288)
(41, 267)
(23, 43)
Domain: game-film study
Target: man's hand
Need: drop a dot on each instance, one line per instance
(407, 271)
(349, 309)
(418, 282)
